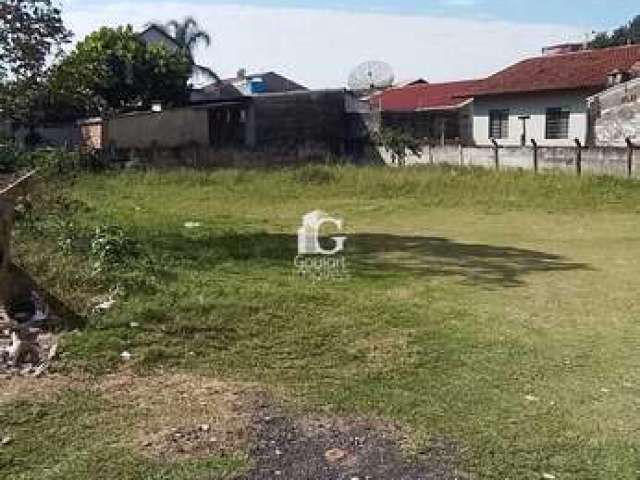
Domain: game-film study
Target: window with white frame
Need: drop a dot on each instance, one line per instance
(557, 124)
(499, 124)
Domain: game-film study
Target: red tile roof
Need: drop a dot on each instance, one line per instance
(585, 70)
(430, 96)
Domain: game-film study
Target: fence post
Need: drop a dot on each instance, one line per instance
(535, 155)
(496, 148)
(630, 147)
(578, 157)
(461, 153)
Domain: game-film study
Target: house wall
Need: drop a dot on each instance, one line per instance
(534, 105)
(167, 129)
(616, 114)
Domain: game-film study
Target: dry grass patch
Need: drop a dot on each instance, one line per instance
(43, 389)
(179, 415)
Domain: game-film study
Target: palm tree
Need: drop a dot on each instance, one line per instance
(188, 36)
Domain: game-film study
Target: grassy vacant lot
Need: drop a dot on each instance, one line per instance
(498, 311)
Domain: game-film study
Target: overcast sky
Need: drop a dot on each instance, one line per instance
(318, 43)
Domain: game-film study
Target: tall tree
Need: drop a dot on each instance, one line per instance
(188, 36)
(31, 32)
(624, 35)
(112, 70)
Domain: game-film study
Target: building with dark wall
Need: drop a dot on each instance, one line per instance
(434, 112)
(298, 123)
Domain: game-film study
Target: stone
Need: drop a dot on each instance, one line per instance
(335, 455)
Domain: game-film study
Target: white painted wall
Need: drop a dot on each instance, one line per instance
(536, 106)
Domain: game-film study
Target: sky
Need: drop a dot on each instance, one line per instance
(319, 43)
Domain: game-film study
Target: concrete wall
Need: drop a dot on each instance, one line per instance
(91, 133)
(167, 129)
(536, 106)
(64, 135)
(595, 160)
(616, 114)
(300, 120)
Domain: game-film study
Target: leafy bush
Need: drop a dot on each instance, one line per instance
(399, 143)
(110, 247)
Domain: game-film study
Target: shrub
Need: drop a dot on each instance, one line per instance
(110, 247)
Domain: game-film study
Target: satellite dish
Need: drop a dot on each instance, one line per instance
(371, 75)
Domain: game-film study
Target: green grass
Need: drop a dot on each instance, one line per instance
(470, 291)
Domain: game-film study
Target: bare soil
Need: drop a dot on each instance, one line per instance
(341, 448)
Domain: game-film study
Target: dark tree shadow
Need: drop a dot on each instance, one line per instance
(372, 255)
(441, 257)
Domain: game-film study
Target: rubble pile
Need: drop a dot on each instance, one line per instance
(26, 348)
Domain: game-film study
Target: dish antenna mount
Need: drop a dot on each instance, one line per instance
(371, 75)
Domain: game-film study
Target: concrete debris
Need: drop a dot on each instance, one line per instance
(125, 356)
(26, 349)
(192, 225)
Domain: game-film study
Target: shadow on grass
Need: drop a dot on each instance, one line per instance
(370, 255)
(21, 301)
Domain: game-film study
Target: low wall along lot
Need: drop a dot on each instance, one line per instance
(614, 161)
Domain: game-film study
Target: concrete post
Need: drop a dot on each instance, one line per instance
(496, 153)
(535, 155)
(630, 147)
(578, 157)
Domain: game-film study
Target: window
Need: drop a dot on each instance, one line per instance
(557, 124)
(499, 124)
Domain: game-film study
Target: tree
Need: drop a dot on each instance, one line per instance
(188, 36)
(31, 31)
(624, 35)
(112, 70)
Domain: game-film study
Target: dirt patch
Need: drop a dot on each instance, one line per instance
(177, 416)
(320, 448)
(183, 415)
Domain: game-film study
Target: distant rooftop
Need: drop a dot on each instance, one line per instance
(425, 96)
(581, 70)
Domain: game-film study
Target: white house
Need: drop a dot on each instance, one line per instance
(545, 98)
